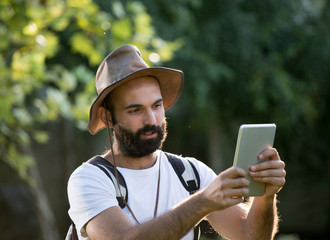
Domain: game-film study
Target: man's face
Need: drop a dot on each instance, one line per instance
(139, 126)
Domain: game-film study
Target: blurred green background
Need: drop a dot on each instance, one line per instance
(244, 61)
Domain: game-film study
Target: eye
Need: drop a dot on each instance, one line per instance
(158, 105)
(134, 110)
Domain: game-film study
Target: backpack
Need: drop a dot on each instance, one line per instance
(185, 170)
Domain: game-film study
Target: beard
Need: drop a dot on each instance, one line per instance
(131, 143)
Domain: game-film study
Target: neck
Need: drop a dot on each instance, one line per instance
(131, 162)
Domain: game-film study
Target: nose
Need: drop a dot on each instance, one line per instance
(149, 118)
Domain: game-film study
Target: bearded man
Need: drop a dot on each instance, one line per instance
(132, 100)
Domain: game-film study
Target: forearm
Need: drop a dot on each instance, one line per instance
(262, 219)
(171, 225)
(114, 224)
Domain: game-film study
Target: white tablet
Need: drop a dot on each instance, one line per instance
(251, 141)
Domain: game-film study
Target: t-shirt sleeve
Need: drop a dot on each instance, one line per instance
(206, 174)
(90, 192)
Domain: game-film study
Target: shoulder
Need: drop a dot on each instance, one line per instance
(86, 172)
(90, 192)
(88, 180)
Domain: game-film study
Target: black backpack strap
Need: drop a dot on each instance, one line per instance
(186, 172)
(72, 233)
(109, 170)
(189, 177)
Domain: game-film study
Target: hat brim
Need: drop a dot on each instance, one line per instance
(170, 82)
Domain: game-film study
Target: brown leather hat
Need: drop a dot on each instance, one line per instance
(124, 64)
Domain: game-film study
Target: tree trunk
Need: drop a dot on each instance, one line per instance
(46, 217)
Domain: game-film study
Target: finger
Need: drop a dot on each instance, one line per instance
(236, 192)
(275, 181)
(269, 153)
(269, 173)
(232, 172)
(274, 164)
(235, 183)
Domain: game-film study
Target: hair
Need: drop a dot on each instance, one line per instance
(110, 107)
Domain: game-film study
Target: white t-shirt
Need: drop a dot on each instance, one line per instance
(90, 191)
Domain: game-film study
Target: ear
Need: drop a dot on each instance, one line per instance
(105, 115)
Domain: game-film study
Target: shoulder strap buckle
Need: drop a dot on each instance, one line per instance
(186, 172)
(109, 170)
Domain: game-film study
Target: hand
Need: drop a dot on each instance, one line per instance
(270, 172)
(227, 189)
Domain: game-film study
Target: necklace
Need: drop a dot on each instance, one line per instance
(125, 202)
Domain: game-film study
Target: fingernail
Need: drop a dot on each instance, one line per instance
(253, 168)
(261, 156)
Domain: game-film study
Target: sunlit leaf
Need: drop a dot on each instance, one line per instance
(167, 50)
(57, 103)
(143, 24)
(6, 10)
(118, 9)
(56, 8)
(5, 131)
(67, 82)
(52, 44)
(83, 21)
(60, 23)
(122, 29)
(4, 43)
(6, 102)
(78, 3)
(26, 63)
(81, 44)
(83, 74)
(19, 93)
(81, 107)
(22, 136)
(23, 116)
(31, 29)
(41, 136)
(19, 161)
(42, 109)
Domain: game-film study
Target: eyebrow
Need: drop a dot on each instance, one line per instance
(140, 105)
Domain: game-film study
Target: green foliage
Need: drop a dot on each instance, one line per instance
(254, 61)
(49, 54)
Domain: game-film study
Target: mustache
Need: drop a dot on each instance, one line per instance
(153, 128)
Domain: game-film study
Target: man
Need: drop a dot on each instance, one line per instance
(132, 99)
